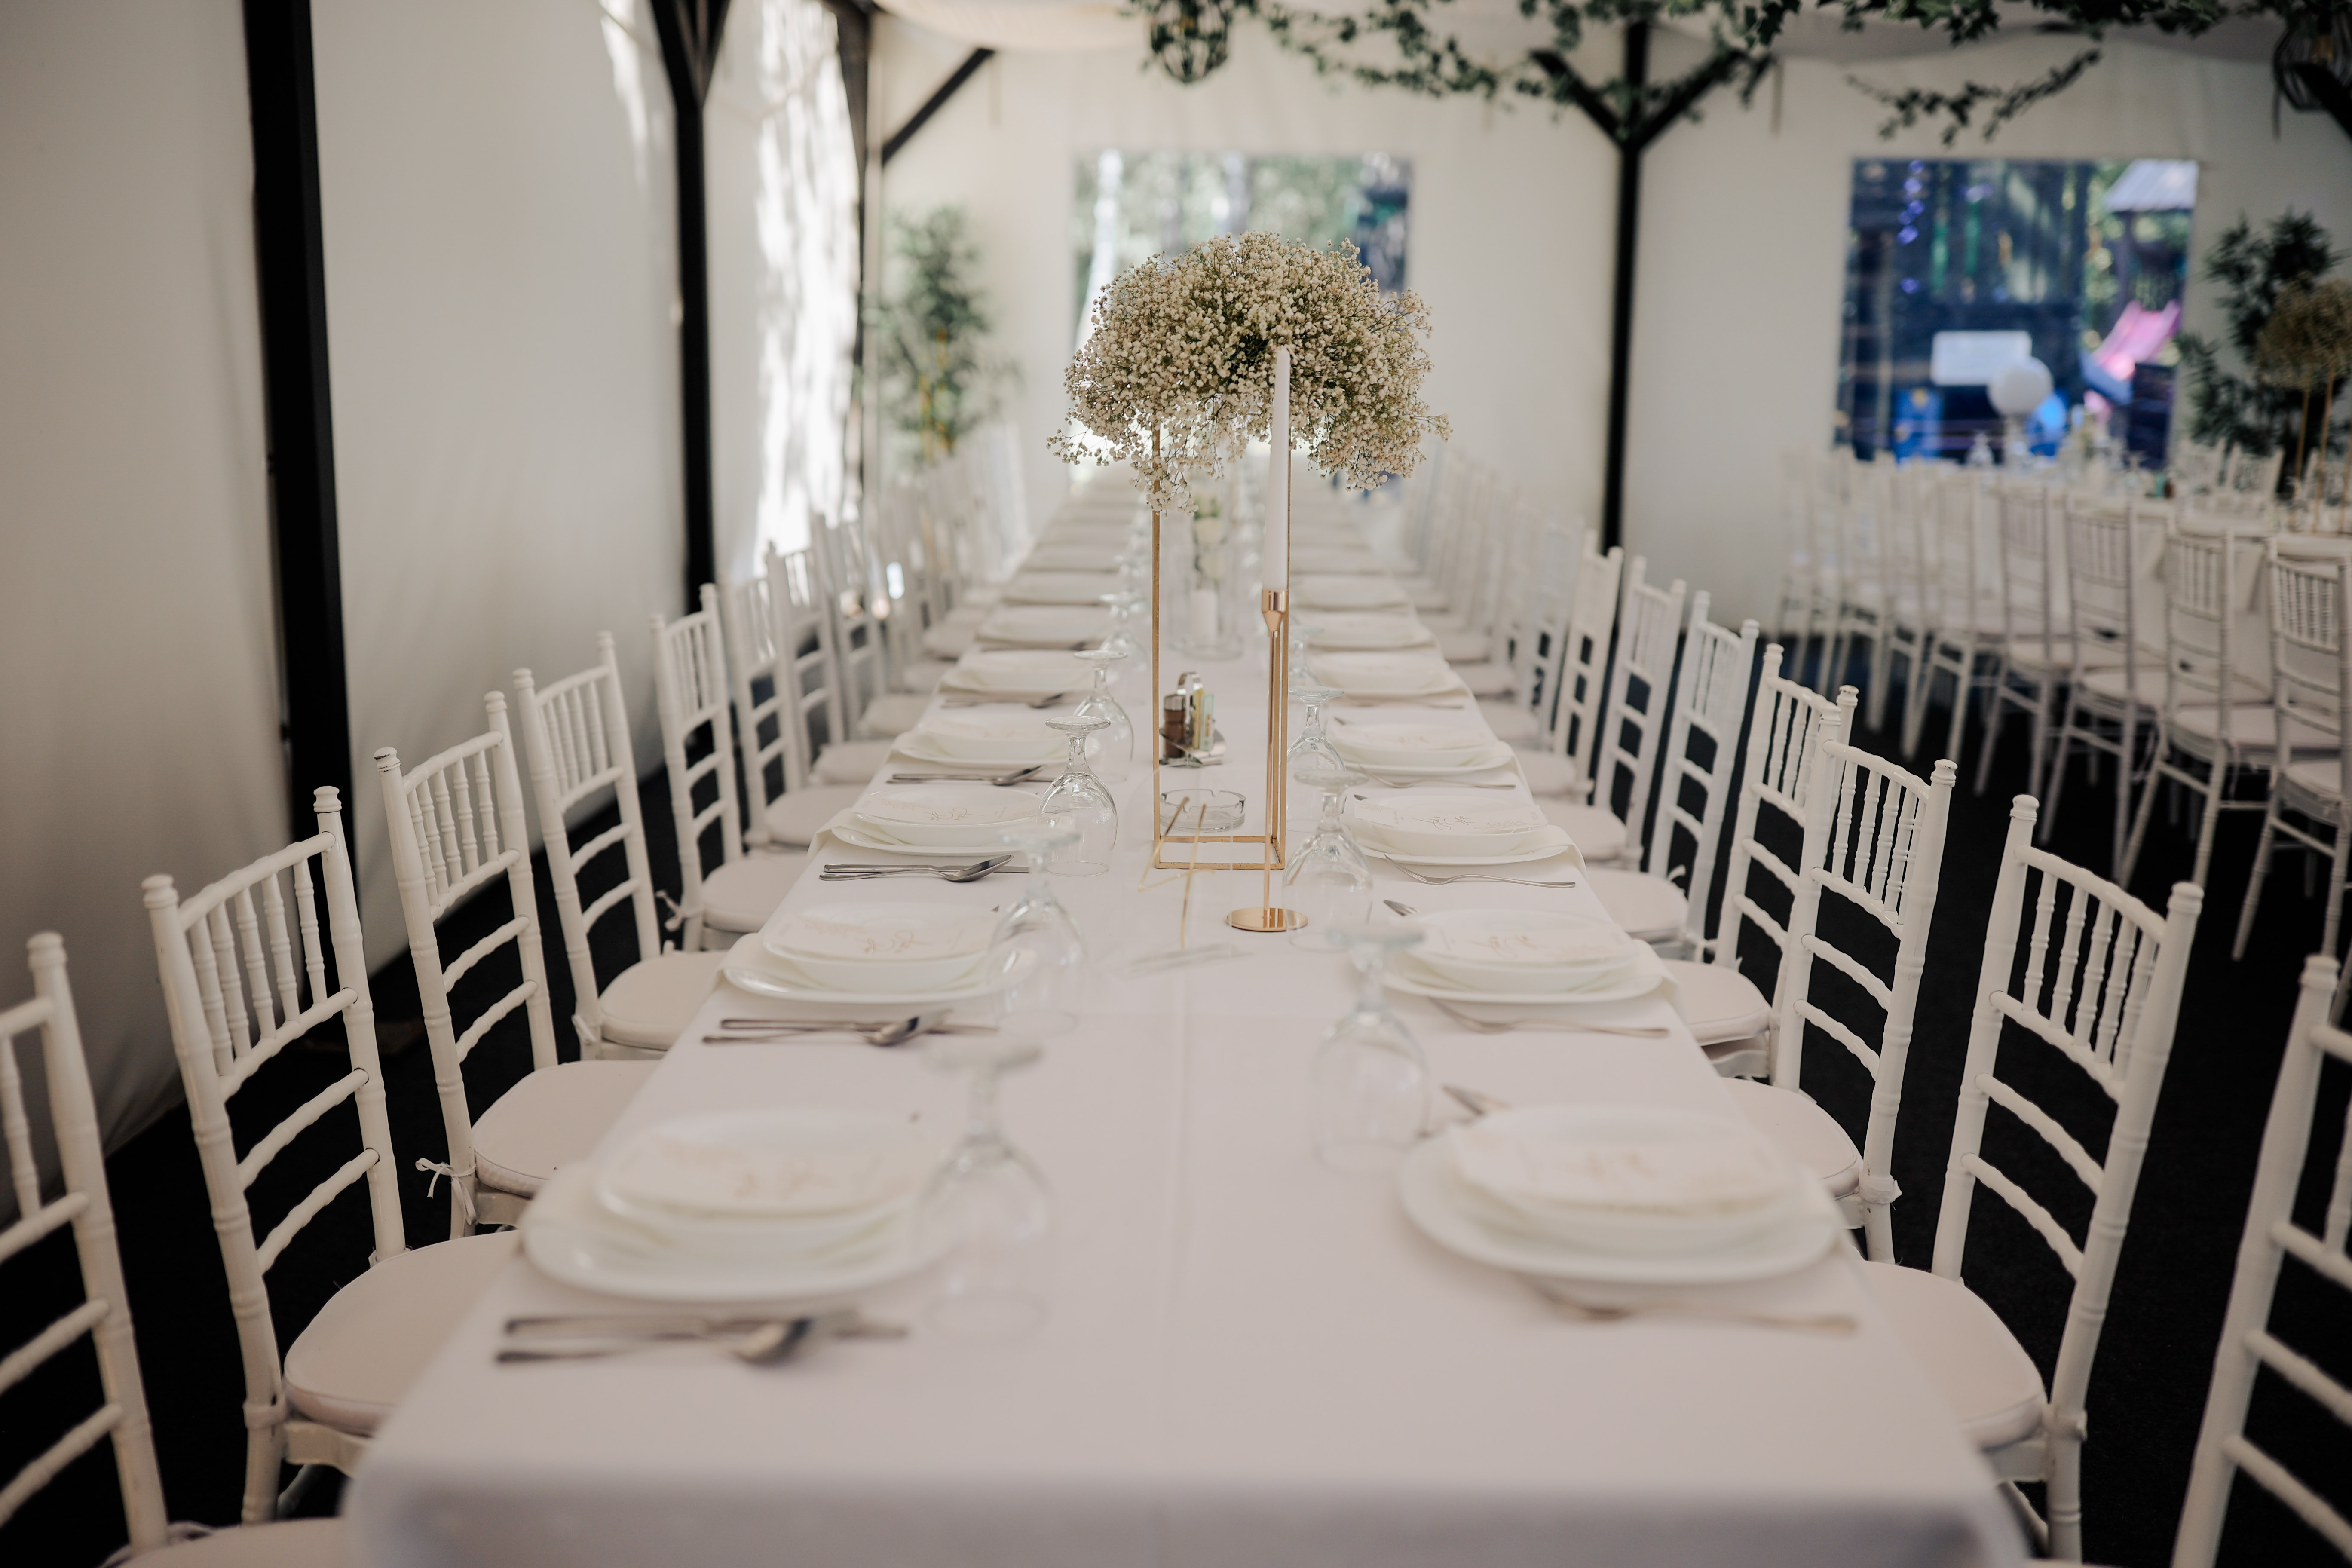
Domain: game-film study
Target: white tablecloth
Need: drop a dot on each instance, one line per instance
(1250, 1359)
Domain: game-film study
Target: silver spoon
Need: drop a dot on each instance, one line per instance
(1021, 775)
(760, 1342)
(884, 1034)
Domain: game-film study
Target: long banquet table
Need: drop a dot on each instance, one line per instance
(1250, 1359)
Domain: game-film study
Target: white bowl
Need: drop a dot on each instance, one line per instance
(881, 947)
(944, 814)
(1450, 822)
(1006, 737)
(1524, 950)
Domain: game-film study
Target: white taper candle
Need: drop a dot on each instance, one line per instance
(1275, 552)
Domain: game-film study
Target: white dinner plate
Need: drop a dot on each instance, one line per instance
(914, 744)
(1544, 852)
(1494, 758)
(750, 967)
(567, 1236)
(1643, 974)
(900, 947)
(845, 827)
(1060, 588)
(930, 816)
(1430, 1187)
(1351, 593)
(1015, 674)
(1044, 626)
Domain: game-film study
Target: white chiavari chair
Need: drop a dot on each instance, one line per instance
(1908, 621)
(856, 598)
(787, 809)
(1798, 617)
(244, 974)
(806, 633)
(2105, 1002)
(577, 734)
(1862, 508)
(1497, 670)
(690, 688)
(1967, 613)
(1874, 838)
(2213, 724)
(1649, 628)
(2116, 689)
(1520, 718)
(1730, 1011)
(2250, 1343)
(456, 827)
(2311, 701)
(1564, 758)
(104, 1315)
(2036, 652)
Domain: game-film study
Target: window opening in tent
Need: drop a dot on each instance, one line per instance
(1132, 206)
(1953, 266)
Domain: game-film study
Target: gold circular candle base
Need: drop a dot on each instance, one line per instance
(1267, 920)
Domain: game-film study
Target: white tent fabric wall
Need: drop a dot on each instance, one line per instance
(1741, 290)
(782, 173)
(501, 276)
(139, 718)
(1510, 227)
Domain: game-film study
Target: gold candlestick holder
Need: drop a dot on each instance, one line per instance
(1266, 915)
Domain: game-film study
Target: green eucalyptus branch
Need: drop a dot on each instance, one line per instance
(1956, 108)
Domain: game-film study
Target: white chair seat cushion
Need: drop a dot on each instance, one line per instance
(552, 1119)
(2323, 775)
(797, 816)
(2026, 653)
(1427, 596)
(286, 1543)
(851, 761)
(1548, 773)
(1493, 680)
(1600, 836)
(2147, 685)
(894, 713)
(1721, 1004)
(947, 641)
(973, 610)
(1463, 646)
(1513, 722)
(649, 1003)
(1651, 909)
(740, 895)
(924, 674)
(2252, 727)
(359, 1356)
(1804, 1131)
(1986, 1380)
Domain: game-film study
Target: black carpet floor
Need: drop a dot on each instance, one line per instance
(2146, 1395)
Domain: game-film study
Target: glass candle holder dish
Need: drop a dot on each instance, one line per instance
(1202, 810)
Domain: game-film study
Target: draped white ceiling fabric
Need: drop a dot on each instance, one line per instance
(139, 715)
(1052, 26)
(501, 221)
(783, 177)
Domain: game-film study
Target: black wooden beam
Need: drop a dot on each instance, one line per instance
(689, 31)
(290, 260)
(933, 104)
(1630, 144)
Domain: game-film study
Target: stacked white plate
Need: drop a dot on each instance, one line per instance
(1618, 1194)
(1406, 673)
(1349, 593)
(1006, 737)
(936, 819)
(1338, 560)
(1044, 626)
(780, 1204)
(1455, 827)
(1367, 629)
(1060, 587)
(1418, 751)
(916, 949)
(1018, 673)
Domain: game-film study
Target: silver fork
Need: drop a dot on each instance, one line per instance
(1021, 775)
(1498, 1026)
(1469, 876)
(971, 873)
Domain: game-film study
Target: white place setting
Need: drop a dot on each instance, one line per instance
(1018, 674)
(1044, 626)
(1369, 593)
(1060, 587)
(999, 736)
(1460, 828)
(1387, 675)
(1506, 964)
(1368, 630)
(1425, 750)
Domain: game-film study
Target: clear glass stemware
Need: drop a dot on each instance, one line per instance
(1081, 802)
(1330, 882)
(1036, 949)
(1313, 750)
(1114, 749)
(1369, 1084)
(985, 1211)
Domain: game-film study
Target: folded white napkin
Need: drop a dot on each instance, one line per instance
(1585, 945)
(997, 735)
(782, 1178)
(1405, 673)
(1044, 623)
(1367, 629)
(842, 934)
(1021, 670)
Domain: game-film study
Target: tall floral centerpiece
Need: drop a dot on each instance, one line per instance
(1249, 337)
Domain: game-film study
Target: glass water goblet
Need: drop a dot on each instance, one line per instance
(1081, 802)
(1301, 672)
(986, 1212)
(1330, 882)
(1369, 1084)
(1123, 609)
(1114, 749)
(1313, 750)
(1036, 950)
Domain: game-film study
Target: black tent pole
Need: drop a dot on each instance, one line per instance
(290, 259)
(1629, 145)
(688, 63)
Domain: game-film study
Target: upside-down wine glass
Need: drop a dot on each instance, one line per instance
(1369, 1083)
(1313, 750)
(1036, 950)
(1330, 882)
(985, 1212)
(1081, 802)
(1114, 749)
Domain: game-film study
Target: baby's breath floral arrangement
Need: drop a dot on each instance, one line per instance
(1178, 368)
